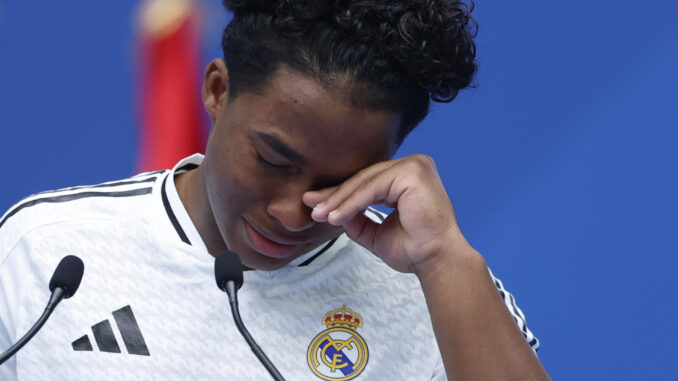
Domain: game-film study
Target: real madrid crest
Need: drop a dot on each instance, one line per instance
(339, 352)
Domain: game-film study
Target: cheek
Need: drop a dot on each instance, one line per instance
(232, 182)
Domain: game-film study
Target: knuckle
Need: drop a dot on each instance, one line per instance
(419, 163)
(426, 160)
(373, 188)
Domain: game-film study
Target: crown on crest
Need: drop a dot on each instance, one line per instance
(343, 317)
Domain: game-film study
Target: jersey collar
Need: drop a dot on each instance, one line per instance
(176, 212)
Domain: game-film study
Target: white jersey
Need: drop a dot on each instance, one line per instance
(148, 307)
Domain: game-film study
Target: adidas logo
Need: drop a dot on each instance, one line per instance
(105, 338)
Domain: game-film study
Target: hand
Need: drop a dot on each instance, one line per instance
(421, 235)
(422, 226)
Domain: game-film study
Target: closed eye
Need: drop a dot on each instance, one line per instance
(270, 164)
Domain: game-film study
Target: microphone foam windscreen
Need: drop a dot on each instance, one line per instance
(227, 266)
(67, 275)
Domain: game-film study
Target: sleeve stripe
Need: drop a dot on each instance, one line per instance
(102, 185)
(63, 195)
(72, 197)
(376, 213)
(517, 314)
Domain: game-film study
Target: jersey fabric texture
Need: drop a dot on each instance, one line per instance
(148, 307)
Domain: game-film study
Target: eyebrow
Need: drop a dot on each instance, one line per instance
(281, 147)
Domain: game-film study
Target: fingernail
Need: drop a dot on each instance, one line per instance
(319, 206)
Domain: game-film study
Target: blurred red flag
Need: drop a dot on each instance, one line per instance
(171, 107)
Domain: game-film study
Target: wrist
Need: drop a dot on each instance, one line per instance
(455, 259)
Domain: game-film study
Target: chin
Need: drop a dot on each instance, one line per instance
(251, 258)
(256, 261)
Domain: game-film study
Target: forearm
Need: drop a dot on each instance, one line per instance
(477, 336)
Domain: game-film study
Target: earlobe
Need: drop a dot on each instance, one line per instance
(215, 87)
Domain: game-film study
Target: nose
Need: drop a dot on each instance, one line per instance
(292, 213)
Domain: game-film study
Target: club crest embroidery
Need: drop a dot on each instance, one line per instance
(339, 352)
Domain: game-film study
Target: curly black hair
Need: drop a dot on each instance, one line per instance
(388, 54)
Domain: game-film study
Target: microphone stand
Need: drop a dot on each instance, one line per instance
(55, 298)
(233, 301)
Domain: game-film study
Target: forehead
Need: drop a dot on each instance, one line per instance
(318, 121)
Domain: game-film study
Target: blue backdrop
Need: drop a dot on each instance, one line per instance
(562, 163)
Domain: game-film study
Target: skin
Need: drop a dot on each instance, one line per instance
(320, 190)
(248, 182)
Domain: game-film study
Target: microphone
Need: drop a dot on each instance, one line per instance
(228, 274)
(64, 283)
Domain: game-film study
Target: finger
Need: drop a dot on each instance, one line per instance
(379, 189)
(345, 190)
(313, 198)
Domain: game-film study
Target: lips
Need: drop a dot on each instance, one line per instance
(266, 245)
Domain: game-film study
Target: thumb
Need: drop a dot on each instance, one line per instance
(362, 230)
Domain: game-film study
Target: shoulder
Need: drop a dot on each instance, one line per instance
(109, 200)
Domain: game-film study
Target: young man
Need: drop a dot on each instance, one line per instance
(308, 106)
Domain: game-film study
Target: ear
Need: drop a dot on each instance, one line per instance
(215, 87)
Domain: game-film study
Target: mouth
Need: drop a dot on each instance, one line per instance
(268, 245)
